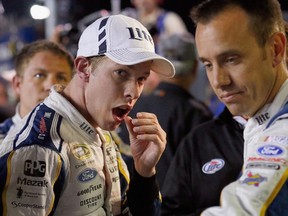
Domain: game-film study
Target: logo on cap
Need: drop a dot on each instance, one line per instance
(134, 32)
(138, 34)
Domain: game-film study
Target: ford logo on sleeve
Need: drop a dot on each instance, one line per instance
(87, 175)
(269, 150)
(213, 166)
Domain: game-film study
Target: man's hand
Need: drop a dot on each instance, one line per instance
(147, 142)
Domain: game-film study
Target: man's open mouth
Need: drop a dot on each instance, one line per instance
(120, 112)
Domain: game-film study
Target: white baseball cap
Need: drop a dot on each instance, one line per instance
(125, 41)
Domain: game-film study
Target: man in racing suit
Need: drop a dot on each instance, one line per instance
(245, 64)
(38, 65)
(62, 160)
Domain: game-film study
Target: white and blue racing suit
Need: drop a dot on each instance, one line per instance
(58, 164)
(262, 188)
(9, 124)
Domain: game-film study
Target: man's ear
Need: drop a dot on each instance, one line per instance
(279, 48)
(83, 68)
(16, 84)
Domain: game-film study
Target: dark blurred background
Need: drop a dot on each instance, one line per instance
(17, 27)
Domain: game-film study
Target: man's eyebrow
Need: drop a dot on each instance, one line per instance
(222, 55)
(40, 69)
(148, 73)
(133, 66)
(202, 59)
(61, 73)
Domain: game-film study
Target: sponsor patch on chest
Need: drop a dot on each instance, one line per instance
(213, 166)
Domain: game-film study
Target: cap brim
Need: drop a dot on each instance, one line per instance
(160, 65)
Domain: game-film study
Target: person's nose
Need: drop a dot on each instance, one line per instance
(49, 82)
(132, 91)
(220, 77)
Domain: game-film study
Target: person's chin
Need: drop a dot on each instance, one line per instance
(40, 101)
(115, 125)
(111, 126)
(236, 109)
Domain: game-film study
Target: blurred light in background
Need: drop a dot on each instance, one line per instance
(39, 12)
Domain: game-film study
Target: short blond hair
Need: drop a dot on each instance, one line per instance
(30, 50)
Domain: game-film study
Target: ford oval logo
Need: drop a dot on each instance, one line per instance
(87, 175)
(213, 166)
(270, 150)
